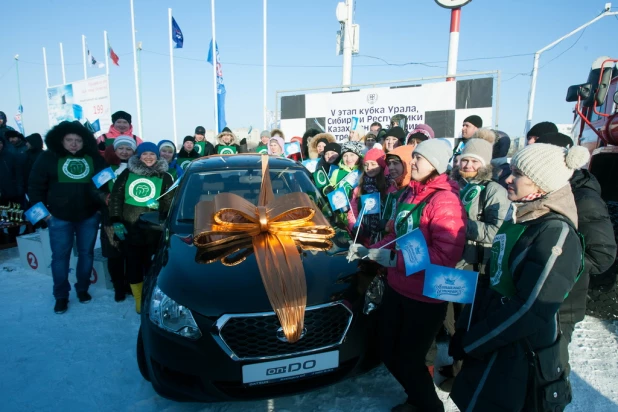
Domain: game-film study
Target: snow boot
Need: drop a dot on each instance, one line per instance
(136, 288)
(120, 292)
(84, 297)
(61, 306)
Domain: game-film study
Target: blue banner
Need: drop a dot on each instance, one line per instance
(103, 177)
(338, 199)
(19, 123)
(450, 284)
(292, 148)
(177, 36)
(414, 250)
(36, 213)
(311, 165)
(220, 88)
(371, 203)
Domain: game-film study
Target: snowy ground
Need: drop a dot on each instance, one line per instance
(84, 360)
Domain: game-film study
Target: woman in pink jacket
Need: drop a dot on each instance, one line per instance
(121, 126)
(410, 321)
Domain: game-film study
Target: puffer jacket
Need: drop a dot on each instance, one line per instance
(72, 202)
(443, 224)
(480, 233)
(113, 133)
(544, 263)
(127, 214)
(596, 227)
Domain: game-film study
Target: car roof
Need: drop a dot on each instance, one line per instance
(239, 161)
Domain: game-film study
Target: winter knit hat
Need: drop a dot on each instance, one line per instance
(557, 139)
(421, 137)
(125, 141)
(549, 167)
(121, 115)
(147, 147)
(355, 147)
(478, 149)
(333, 147)
(540, 129)
(200, 130)
(474, 120)
(166, 143)
(378, 156)
(424, 129)
(264, 133)
(396, 132)
(437, 152)
(188, 139)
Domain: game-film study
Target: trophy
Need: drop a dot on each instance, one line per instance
(3, 213)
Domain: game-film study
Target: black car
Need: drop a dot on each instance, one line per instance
(208, 331)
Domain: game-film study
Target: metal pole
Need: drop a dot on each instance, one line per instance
(84, 57)
(45, 67)
(265, 108)
(106, 53)
(214, 65)
(453, 44)
(135, 70)
(64, 78)
(537, 55)
(497, 99)
(169, 12)
(19, 92)
(347, 46)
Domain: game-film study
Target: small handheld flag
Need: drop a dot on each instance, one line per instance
(36, 213)
(371, 203)
(292, 148)
(338, 199)
(311, 165)
(450, 284)
(103, 177)
(414, 250)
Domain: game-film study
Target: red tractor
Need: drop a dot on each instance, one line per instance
(596, 128)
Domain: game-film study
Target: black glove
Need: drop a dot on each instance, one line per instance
(455, 348)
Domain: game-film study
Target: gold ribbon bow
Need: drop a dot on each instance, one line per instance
(276, 228)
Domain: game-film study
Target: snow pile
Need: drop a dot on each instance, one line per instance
(84, 360)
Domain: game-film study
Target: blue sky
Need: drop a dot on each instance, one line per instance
(301, 33)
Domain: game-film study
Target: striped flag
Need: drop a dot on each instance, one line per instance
(111, 53)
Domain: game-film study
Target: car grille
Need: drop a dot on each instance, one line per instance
(254, 336)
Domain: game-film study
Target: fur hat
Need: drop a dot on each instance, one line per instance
(437, 152)
(478, 149)
(125, 141)
(354, 147)
(474, 120)
(121, 115)
(550, 167)
(313, 144)
(557, 139)
(540, 129)
(485, 134)
(279, 132)
(54, 138)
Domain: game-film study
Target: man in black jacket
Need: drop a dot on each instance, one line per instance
(62, 180)
(595, 226)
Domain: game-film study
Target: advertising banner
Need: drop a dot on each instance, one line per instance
(84, 100)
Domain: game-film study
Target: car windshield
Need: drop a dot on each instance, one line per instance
(244, 183)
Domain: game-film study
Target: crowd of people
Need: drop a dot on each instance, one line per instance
(534, 227)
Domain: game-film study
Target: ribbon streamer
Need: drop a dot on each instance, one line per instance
(229, 228)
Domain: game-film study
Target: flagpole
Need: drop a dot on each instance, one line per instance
(214, 65)
(135, 69)
(169, 12)
(45, 67)
(64, 78)
(106, 52)
(21, 111)
(84, 57)
(265, 108)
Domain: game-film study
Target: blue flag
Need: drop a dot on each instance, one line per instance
(177, 36)
(292, 148)
(338, 199)
(36, 213)
(311, 165)
(103, 177)
(414, 250)
(96, 126)
(220, 87)
(450, 284)
(371, 203)
(18, 122)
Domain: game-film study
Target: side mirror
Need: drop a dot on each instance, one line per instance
(150, 221)
(579, 90)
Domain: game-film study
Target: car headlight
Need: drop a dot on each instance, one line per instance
(373, 295)
(172, 317)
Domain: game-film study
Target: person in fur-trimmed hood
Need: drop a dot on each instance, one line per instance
(318, 143)
(135, 192)
(61, 179)
(227, 143)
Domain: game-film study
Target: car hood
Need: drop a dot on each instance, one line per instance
(214, 289)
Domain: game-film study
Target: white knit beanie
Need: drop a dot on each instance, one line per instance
(125, 141)
(550, 167)
(437, 152)
(478, 149)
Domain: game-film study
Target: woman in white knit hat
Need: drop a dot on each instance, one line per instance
(409, 321)
(514, 354)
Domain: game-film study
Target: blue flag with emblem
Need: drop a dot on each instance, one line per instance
(36, 213)
(311, 165)
(338, 199)
(177, 36)
(292, 148)
(453, 285)
(414, 250)
(220, 87)
(371, 203)
(103, 177)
